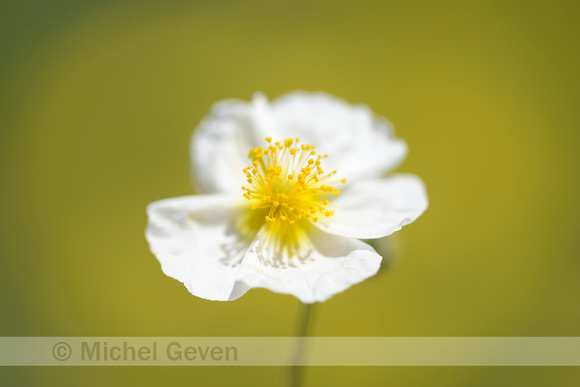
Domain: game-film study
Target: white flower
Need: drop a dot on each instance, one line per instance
(286, 188)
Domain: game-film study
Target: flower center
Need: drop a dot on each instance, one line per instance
(287, 180)
(288, 189)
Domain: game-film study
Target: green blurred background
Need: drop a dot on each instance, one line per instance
(97, 103)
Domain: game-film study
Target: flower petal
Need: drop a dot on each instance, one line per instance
(358, 143)
(376, 208)
(220, 144)
(195, 239)
(335, 264)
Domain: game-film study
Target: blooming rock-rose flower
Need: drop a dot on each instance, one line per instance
(286, 188)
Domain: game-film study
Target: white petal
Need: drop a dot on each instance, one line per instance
(220, 144)
(196, 241)
(335, 264)
(263, 118)
(358, 143)
(376, 208)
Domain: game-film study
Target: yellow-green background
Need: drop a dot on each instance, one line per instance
(97, 103)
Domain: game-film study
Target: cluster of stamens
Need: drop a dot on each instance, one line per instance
(288, 183)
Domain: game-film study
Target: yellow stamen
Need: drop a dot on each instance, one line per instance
(290, 188)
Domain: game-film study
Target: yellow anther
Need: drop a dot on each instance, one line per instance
(294, 195)
(343, 181)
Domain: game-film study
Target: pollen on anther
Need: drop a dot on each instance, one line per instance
(288, 182)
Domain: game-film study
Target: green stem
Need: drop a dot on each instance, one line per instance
(304, 323)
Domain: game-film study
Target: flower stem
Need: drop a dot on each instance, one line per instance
(304, 324)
